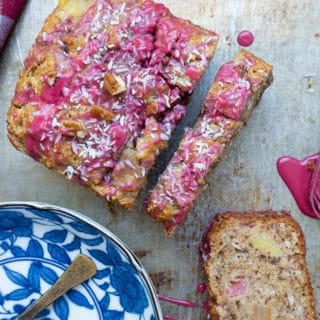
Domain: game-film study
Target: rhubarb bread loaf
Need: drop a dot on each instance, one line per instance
(103, 87)
(238, 87)
(256, 268)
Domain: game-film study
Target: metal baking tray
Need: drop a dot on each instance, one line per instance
(287, 36)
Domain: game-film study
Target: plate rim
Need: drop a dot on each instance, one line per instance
(105, 232)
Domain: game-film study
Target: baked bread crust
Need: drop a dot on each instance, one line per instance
(257, 260)
(237, 89)
(98, 74)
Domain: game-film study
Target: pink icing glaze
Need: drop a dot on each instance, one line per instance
(193, 74)
(297, 175)
(22, 97)
(245, 38)
(160, 132)
(201, 288)
(51, 94)
(204, 248)
(231, 102)
(118, 134)
(228, 73)
(146, 55)
(36, 140)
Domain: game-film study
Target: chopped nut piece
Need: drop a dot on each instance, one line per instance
(152, 108)
(101, 113)
(114, 84)
(73, 125)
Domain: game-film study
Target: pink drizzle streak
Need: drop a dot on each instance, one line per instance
(179, 302)
(168, 317)
(297, 175)
(245, 38)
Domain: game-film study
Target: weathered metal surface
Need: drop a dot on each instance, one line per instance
(287, 35)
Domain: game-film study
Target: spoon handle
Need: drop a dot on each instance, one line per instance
(80, 270)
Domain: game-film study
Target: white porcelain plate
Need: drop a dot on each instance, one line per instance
(39, 241)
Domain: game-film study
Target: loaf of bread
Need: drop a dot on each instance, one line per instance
(103, 87)
(237, 89)
(256, 268)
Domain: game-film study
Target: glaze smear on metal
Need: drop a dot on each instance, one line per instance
(245, 38)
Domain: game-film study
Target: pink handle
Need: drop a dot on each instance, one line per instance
(314, 190)
(9, 12)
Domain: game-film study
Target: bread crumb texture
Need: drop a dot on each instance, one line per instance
(256, 268)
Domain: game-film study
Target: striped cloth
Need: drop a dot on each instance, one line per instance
(9, 12)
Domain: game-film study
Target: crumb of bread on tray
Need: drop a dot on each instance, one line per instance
(102, 89)
(256, 267)
(237, 89)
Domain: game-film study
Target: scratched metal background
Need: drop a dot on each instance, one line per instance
(287, 35)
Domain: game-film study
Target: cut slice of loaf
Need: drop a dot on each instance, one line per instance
(237, 89)
(129, 176)
(99, 74)
(256, 268)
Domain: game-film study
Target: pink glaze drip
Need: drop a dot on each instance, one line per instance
(51, 94)
(245, 38)
(231, 102)
(168, 317)
(184, 303)
(22, 97)
(36, 139)
(201, 288)
(297, 175)
(228, 73)
(179, 302)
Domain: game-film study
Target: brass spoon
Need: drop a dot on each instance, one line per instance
(80, 270)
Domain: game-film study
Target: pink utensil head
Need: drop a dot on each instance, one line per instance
(302, 179)
(314, 190)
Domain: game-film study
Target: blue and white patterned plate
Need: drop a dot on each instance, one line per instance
(39, 241)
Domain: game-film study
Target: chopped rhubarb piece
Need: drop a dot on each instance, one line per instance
(236, 288)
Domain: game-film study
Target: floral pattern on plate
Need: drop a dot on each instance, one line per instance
(38, 242)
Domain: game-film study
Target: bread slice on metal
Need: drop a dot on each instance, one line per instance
(256, 268)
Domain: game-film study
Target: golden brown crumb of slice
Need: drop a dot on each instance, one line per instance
(114, 84)
(258, 259)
